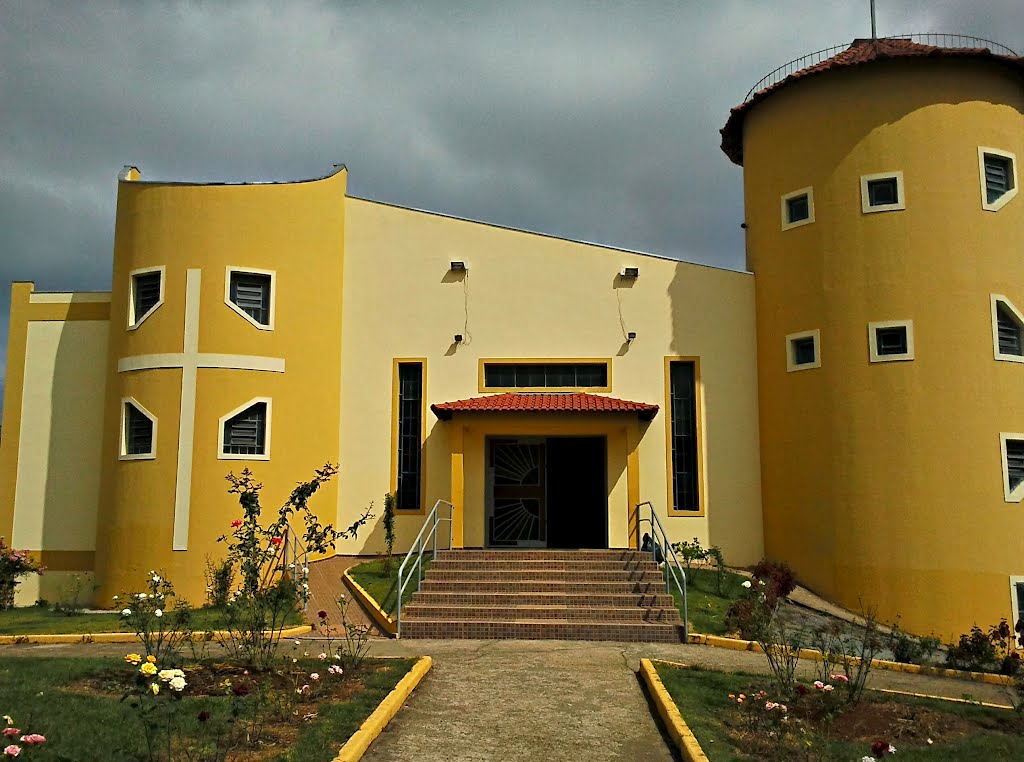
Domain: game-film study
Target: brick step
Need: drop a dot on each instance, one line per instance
(623, 615)
(633, 632)
(615, 554)
(512, 584)
(496, 600)
(482, 566)
(545, 575)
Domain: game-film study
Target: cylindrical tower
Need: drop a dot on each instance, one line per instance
(224, 354)
(886, 238)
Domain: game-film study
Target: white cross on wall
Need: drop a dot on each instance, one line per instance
(190, 360)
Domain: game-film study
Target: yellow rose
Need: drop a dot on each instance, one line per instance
(151, 659)
(133, 659)
(148, 668)
(155, 687)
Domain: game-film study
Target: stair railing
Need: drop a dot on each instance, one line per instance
(674, 573)
(425, 540)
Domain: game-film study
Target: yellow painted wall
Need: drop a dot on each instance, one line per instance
(294, 229)
(882, 482)
(533, 296)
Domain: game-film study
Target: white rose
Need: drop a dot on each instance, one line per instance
(747, 584)
(165, 674)
(141, 596)
(156, 578)
(126, 612)
(158, 613)
(177, 683)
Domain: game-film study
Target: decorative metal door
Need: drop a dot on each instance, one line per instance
(517, 505)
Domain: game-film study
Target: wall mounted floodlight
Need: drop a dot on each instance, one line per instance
(630, 272)
(630, 336)
(458, 267)
(458, 338)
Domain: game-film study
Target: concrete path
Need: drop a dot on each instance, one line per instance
(522, 700)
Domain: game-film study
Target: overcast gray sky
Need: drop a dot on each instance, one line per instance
(589, 120)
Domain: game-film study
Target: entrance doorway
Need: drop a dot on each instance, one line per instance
(547, 492)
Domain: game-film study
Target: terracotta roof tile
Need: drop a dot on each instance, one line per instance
(524, 402)
(860, 52)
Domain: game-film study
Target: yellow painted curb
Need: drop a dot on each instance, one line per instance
(120, 637)
(810, 654)
(941, 698)
(677, 727)
(360, 741)
(383, 620)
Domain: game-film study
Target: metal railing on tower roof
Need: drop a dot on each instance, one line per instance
(937, 39)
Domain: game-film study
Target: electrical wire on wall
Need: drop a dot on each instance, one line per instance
(622, 320)
(467, 336)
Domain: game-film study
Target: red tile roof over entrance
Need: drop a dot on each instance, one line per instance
(526, 402)
(860, 52)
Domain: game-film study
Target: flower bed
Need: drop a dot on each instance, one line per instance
(737, 716)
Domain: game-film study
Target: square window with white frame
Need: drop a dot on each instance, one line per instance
(803, 350)
(245, 432)
(882, 192)
(798, 208)
(998, 172)
(1007, 330)
(890, 340)
(145, 294)
(1011, 450)
(138, 431)
(250, 293)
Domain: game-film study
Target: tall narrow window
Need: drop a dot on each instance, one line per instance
(682, 377)
(409, 435)
(245, 432)
(1007, 330)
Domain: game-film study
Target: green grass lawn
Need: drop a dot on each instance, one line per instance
(383, 587)
(37, 620)
(703, 699)
(41, 696)
(706, 607)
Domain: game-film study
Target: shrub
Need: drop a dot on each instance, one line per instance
(692, 552)
(980, 651)
(14, 564)
(779, 579)
(162, 631)
(908, 649)
(389, 530)
(220, 578)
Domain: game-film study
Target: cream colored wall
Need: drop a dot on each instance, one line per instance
(882, 482)
(533, 296)
(57, 493)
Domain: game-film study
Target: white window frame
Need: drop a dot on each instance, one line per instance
(1014, 580)
(221, 455)
(1017, 495)
(865, 198)
(791, 364)
(1003, 200)
(122, 447)
(238, 310)
(997, 299)
(809, 192)
(133, 320)
(873, 342)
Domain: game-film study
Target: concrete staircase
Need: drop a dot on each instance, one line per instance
(543, 594)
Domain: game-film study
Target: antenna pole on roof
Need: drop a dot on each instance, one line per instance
(874, 32)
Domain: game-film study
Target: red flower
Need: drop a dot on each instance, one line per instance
(236, 523)
(241, 690)
(322, 614)
(203, 716)
(275, 540)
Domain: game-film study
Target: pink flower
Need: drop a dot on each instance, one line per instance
(818, 684)
(840, 678)
(33, 738)
(314, 676)
(828, 689)
(10, 732)
(12, 751)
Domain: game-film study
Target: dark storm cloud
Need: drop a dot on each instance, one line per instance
(596, 121)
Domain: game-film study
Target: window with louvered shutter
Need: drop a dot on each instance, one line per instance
(1009, 330)
(998, 177)
(138, 431)
(1014, 463)
(250, 292)
(245, 433)
(145, 293)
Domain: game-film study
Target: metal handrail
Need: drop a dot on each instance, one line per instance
(428, 533)
(938, 39)
(673, 569)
